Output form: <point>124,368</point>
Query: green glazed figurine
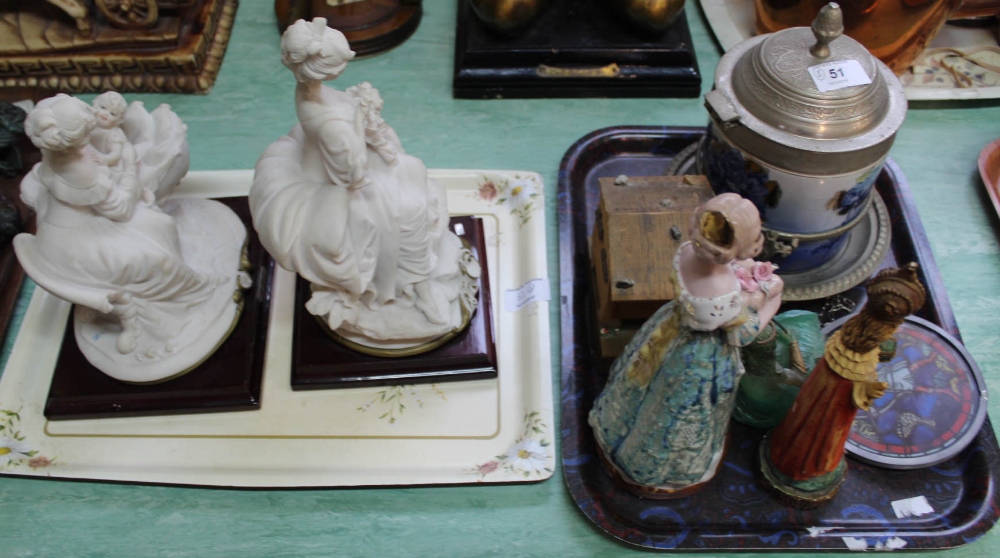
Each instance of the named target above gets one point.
<point>777,363</point>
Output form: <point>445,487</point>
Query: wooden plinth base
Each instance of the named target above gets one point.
<point>11,273</point>
<point>319,362</point>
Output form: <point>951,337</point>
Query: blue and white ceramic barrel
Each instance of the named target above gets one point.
<point>801,124</point>
<point>808,217</point>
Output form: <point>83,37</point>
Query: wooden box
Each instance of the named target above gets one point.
<point>640,223</point>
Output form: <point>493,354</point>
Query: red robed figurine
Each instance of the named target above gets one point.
<point>802,459</point>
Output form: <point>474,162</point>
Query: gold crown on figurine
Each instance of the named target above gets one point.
<point>895,293</point>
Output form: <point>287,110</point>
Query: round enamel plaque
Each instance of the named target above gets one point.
<point>934,405</point>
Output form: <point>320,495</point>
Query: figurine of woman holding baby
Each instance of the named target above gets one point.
<point>153,281</point>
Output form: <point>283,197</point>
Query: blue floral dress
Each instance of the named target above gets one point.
<point>663,416</point>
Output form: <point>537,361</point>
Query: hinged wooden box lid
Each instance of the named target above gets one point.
<point>640,223</point>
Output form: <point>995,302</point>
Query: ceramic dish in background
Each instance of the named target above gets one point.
<point>989,170</point>
<point>732,21</point>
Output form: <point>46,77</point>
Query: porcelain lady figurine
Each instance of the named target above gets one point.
<point>340,203</point>
<point>153,284</point>
<point>802,459</point>
<point>661,421</point>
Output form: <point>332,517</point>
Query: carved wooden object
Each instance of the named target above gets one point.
<point>158,46</point>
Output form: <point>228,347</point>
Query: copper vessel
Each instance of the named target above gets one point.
<point>895,31</point>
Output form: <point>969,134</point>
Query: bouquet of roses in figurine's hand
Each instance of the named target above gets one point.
<point>758,282</point>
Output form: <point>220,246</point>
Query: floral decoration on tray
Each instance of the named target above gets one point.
<point>527,456</point>
<point>395,398</point>
<point>15,451</point>
<point>517,194</point>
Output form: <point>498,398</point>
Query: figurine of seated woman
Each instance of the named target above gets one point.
<point>153,283</point>
<point>340,203</point>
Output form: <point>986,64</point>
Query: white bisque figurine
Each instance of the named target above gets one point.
<point>340,203</point>
<point>156,280</point>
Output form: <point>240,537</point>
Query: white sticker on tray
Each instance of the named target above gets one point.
<point>861,544</point>
<point>536,290</point>
<point>831,76</point>
<point>912,507</point>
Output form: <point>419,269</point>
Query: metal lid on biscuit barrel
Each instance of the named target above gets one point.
<point>803,97</point>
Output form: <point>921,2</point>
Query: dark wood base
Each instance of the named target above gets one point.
<point>229,380</point>
<point>576,48</point>
<point>371,26</point>
<point>319,362</point>
<point>181,53</point>
<point>11,273</point>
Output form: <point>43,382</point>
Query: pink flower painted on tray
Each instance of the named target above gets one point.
<point>488,467</point>
<point>518,193</point>
<point>39,462</point>
<point>488,191</point>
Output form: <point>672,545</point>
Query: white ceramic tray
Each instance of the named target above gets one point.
<point>497,430</point>
<point>732,21</point>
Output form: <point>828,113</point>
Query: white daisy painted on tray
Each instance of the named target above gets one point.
<point>529,456</point>
<point>14,450</point>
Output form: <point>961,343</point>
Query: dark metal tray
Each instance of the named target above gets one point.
<point>732,513</point>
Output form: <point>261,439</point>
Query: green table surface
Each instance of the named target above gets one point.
<point>251,105</point>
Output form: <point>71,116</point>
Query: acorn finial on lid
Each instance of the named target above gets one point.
<point>827,26</point>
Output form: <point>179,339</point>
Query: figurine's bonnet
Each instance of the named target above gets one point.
<point>728,226</point>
